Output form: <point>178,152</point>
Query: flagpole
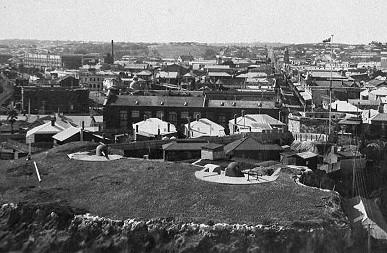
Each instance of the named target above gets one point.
<point>330,90</point>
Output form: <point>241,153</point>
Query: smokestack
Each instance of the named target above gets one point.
<point>169,127</point>
<point>53,121</point>
<point>112,51</point>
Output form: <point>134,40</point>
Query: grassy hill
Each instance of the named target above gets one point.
<point>134,188</point>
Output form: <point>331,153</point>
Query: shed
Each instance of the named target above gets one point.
<point>212,151</point>
<point>178,151</point>
<point>44,132</point>
<point>308,159</point>
<point>250,148</point>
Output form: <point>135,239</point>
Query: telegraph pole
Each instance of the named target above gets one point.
<point>330,90</point>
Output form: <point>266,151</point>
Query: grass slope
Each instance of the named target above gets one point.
<point>130,188</point>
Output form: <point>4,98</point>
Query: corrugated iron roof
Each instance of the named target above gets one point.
<point>183,146</point>
<point>166,101</point>
<point>249,144</point>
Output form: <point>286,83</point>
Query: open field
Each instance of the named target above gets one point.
<point>135,188</point>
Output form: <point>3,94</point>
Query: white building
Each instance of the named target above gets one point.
<point>254,123</point>
<point>153,127</point>
<point>203,127</point>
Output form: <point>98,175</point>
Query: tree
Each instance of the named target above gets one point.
<point>12,117</point>
<point>209,54</point>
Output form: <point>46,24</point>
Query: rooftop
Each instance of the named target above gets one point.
<point>162,101</point>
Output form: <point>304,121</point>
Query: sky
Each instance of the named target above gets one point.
<point>210,21</point>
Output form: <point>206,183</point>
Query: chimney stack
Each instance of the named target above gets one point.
<point>112,51</point>
<point>53,121</point>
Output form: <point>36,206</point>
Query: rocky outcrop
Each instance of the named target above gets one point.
<point>56,227</point>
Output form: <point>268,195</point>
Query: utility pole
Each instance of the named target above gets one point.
<point>330,90</point>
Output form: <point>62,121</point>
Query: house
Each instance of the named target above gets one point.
<point>308,159</point>
<point>182,150</point>
<point>168,77</point>
<point>185,58</point>
<point>255,123</point>
<point>379,125</point>
<point>44,132</point>
<point>345,107</point>
<point>68,81</point>
<point>203,127</point>
<point>345,159</point>
<point>152,128</point>
<point>91,123</point>
<point>72,134</point>
<point>212,151</point>
<point>378,93</point>
<point>249,148</point>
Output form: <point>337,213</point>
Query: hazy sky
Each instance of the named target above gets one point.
<point>295,21</point>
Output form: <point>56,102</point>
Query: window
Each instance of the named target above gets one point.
<point>123,119</point>
<point>184,115</point>
<point>135,114</point>
<point>172,117</point>
<point>160,114</point>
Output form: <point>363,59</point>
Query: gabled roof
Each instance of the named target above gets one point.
<point>218,74</point>
<point>249,144</point>
<point>380,117</point>
<point>164,74</point>
<point>144,73</point>
<point>344,106</point>
<point>67,133</point>
<point>382,91</point>
<point>183,146</point>
<point>257,120</point>
<point>151,127</point>
<point>46,128</point>
<point>212,146</point>
<point>306,155</point>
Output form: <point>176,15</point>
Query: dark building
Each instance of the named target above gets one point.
<point>121,111</point>
<point>68,81</point>
<point>379,125</point>
<point>178,150</point>
<point>249,148</point>
<point>72,61</point>
<point>45,100</point>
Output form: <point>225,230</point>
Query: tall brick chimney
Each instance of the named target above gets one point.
<point>112,51</point>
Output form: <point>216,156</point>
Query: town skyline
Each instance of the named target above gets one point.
<point>351,22</point>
